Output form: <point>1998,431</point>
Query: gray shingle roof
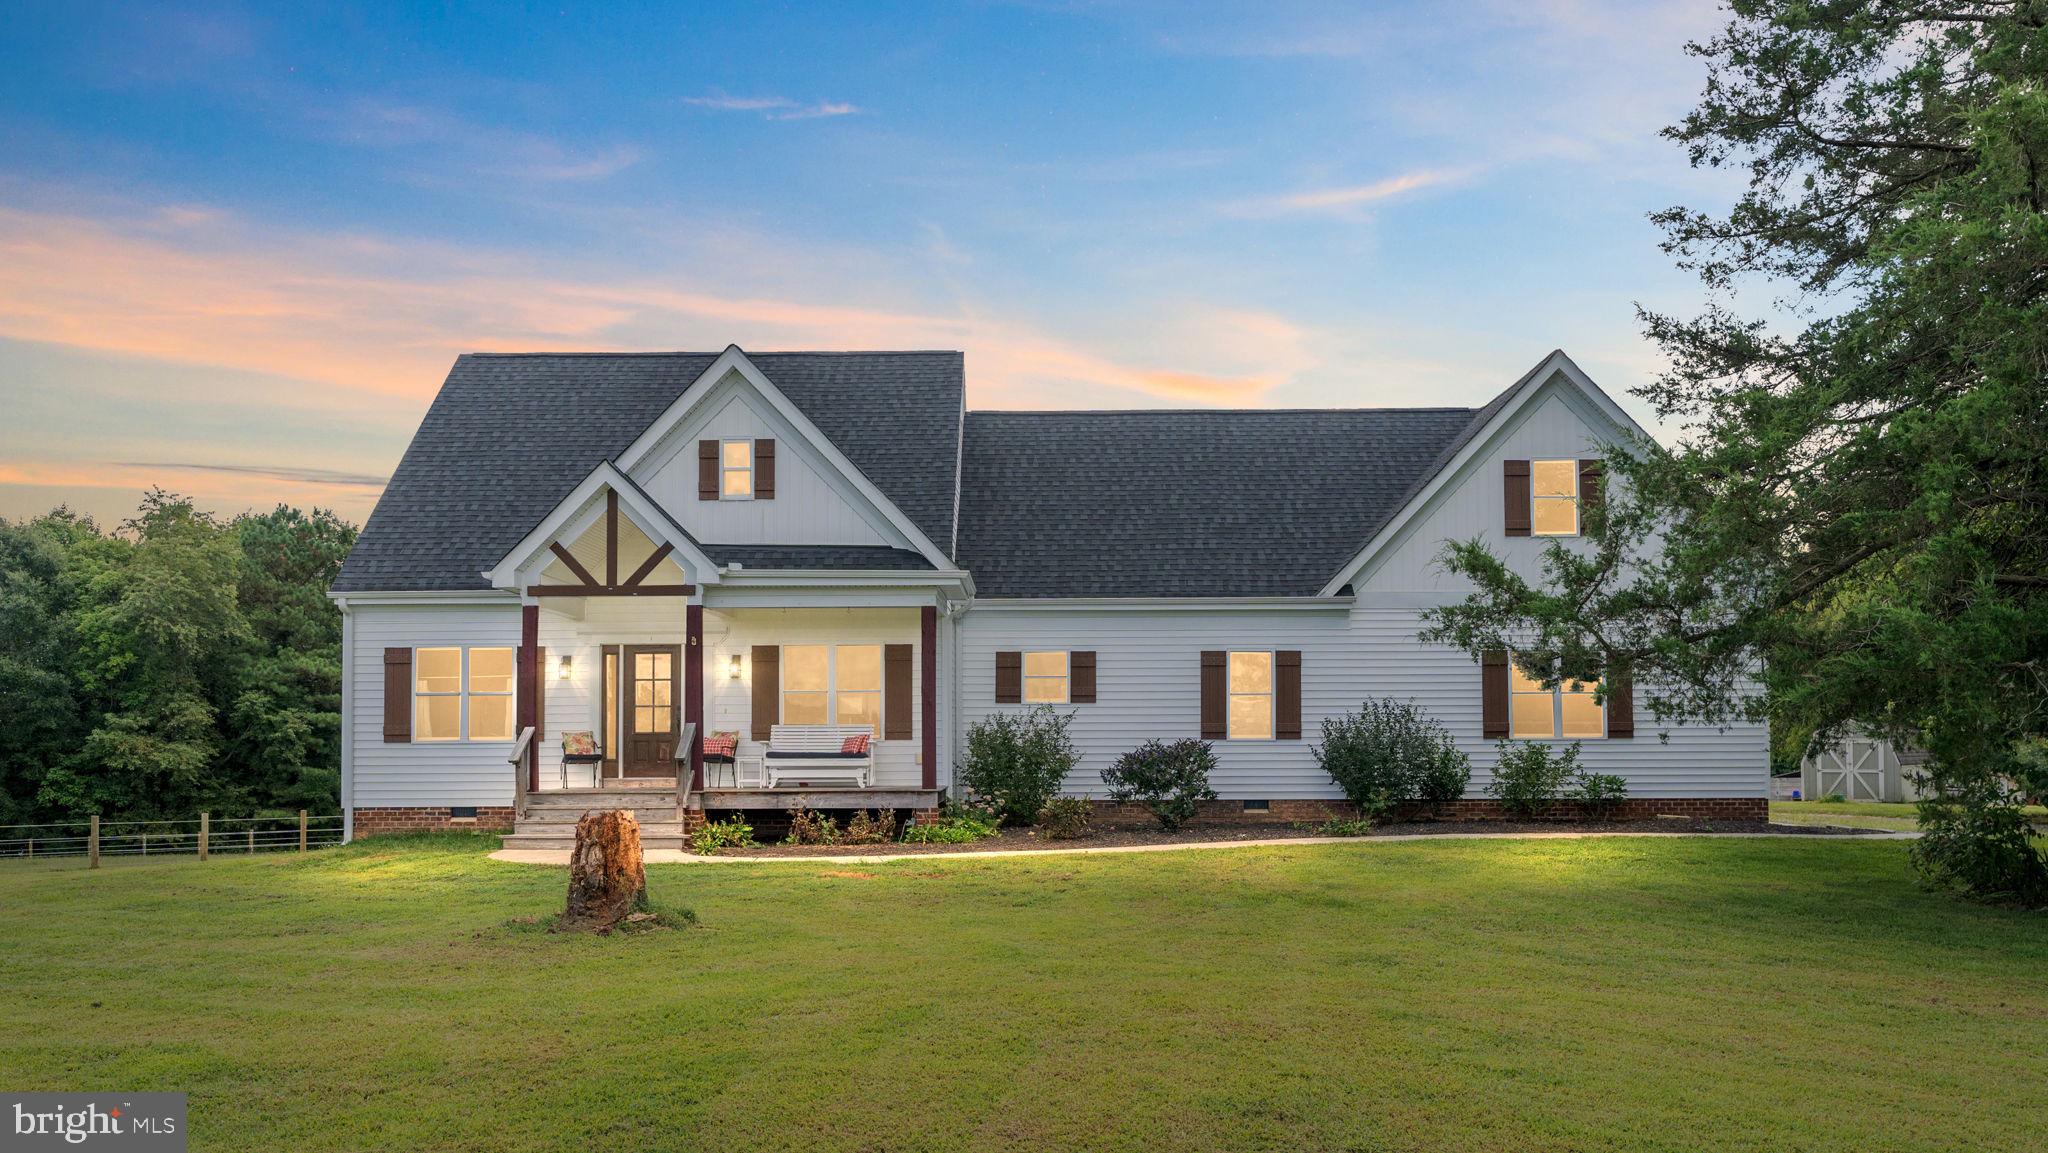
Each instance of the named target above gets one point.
<point>1188,503</point>
<point>510,435</point>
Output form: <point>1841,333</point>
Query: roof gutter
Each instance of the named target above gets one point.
<point>1333,603</point>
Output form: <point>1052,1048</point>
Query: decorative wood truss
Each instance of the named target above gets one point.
<point>611,585</point>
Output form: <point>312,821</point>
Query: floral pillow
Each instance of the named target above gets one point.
<point>579,743</point>
<point>721,744</point>
<point>856,744</point>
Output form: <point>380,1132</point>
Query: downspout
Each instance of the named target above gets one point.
<point>348,720</point>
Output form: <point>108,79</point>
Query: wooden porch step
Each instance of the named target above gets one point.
<point>648,840</point>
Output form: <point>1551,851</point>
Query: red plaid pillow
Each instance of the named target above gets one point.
<point>721,744</point>
<point>858,743</point>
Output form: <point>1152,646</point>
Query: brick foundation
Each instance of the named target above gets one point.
<point>372,822</point>
<point>1470,809</point>
<point>924,817</point>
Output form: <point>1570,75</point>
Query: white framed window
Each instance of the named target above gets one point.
<point>462,694</point>
<point>1251,696</point>
<point>735,470</point>
<point>832,684</point>
<point>1571,710</point>
<point>857,685</point>
<point>1046,678</point>
<point>1554,497</point>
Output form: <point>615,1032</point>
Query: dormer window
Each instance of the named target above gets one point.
<point>736,470</point>
<point>1554,497</point>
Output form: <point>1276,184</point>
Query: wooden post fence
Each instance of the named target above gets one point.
<point>92,842</point>
<point>302,830</point>
<point>205,820</point>
<point>252,838</point>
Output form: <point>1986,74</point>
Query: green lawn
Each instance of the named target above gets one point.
<point>1861,814</point>
<point>1639,993</point>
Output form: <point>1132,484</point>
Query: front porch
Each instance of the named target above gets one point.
<point>667,816</point>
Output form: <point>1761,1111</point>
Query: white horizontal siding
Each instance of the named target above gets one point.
<point>730,703</point>
<point>422,773</point>
<point>1551,427</point>
<point>1148,685</point>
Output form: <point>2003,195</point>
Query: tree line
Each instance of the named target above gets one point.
<point>181,661</point>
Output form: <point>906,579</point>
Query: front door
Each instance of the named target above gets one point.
<point>653,694</point>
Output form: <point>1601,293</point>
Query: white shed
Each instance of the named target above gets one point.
<point>1861,767</point>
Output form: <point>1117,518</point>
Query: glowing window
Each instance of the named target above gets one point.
<point>1570,710</point>
<point>1554,497</point>
<point>1045,678</point>
<point>736,469</point>
<point>1251,696</point>
<point>440,703</point>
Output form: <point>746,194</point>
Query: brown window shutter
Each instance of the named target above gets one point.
<point>1009,678</point>
<point>896,693</point>
<point>1215,701</point>
<point>397,696</point>
<point>1287,695</point>
<point>764,469</point>
<point>1493,695</point>
<point>707,470</point>
<point>1589,484</point>
<point>1621,706</point>
<point>1081,678</point>
<point>767,688</point>
<point>1515,491</point>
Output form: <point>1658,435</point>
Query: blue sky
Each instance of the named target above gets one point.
<point>240,246</point>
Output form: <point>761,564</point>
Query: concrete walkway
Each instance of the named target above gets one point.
<point>679,857</point>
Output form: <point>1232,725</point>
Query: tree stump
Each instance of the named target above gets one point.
<point>607,877</point>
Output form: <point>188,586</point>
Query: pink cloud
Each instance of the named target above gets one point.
<point>385,317</point>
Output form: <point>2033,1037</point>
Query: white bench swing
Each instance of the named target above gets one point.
<point>809,755</point>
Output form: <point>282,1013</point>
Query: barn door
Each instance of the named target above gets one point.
<point>653,694</point>
<point>1854,769</point>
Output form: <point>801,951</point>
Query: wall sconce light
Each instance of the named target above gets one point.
<point>567,666</point>
<point>735,666</point>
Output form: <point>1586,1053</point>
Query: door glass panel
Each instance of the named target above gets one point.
<point>611,705</point>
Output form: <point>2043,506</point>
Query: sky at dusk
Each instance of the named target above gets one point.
<point>241,245</point>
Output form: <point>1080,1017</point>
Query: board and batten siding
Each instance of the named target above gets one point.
<point>422,773</point>
<point>1148,685</point>
<point>807,509</point>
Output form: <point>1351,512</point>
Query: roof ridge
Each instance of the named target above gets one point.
<point>1216,411</point>
<point>594,354</point>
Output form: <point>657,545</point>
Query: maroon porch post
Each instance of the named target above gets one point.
<point>928,692</point>
<point>693,689</point>
<point>529,685</point>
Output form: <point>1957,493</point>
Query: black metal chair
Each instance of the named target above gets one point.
<point>579,747</point>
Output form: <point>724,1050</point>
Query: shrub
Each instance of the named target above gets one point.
<point>811,827</point>
<point>1339,827</point>
<point>1600,793</point>
<point>957,825</point>
<point>1016,761</point>
<point>864,828</point>
<point>1064,819</point>
<point>732,833</point>
<point>1532,775</point>
<point>1978,841</point>
<point>1389,752</point>
<point>1169,778</point>
<point>1834,799</point>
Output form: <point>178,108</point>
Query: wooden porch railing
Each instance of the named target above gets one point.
<point>684,779</point>
<point>522,752</point>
